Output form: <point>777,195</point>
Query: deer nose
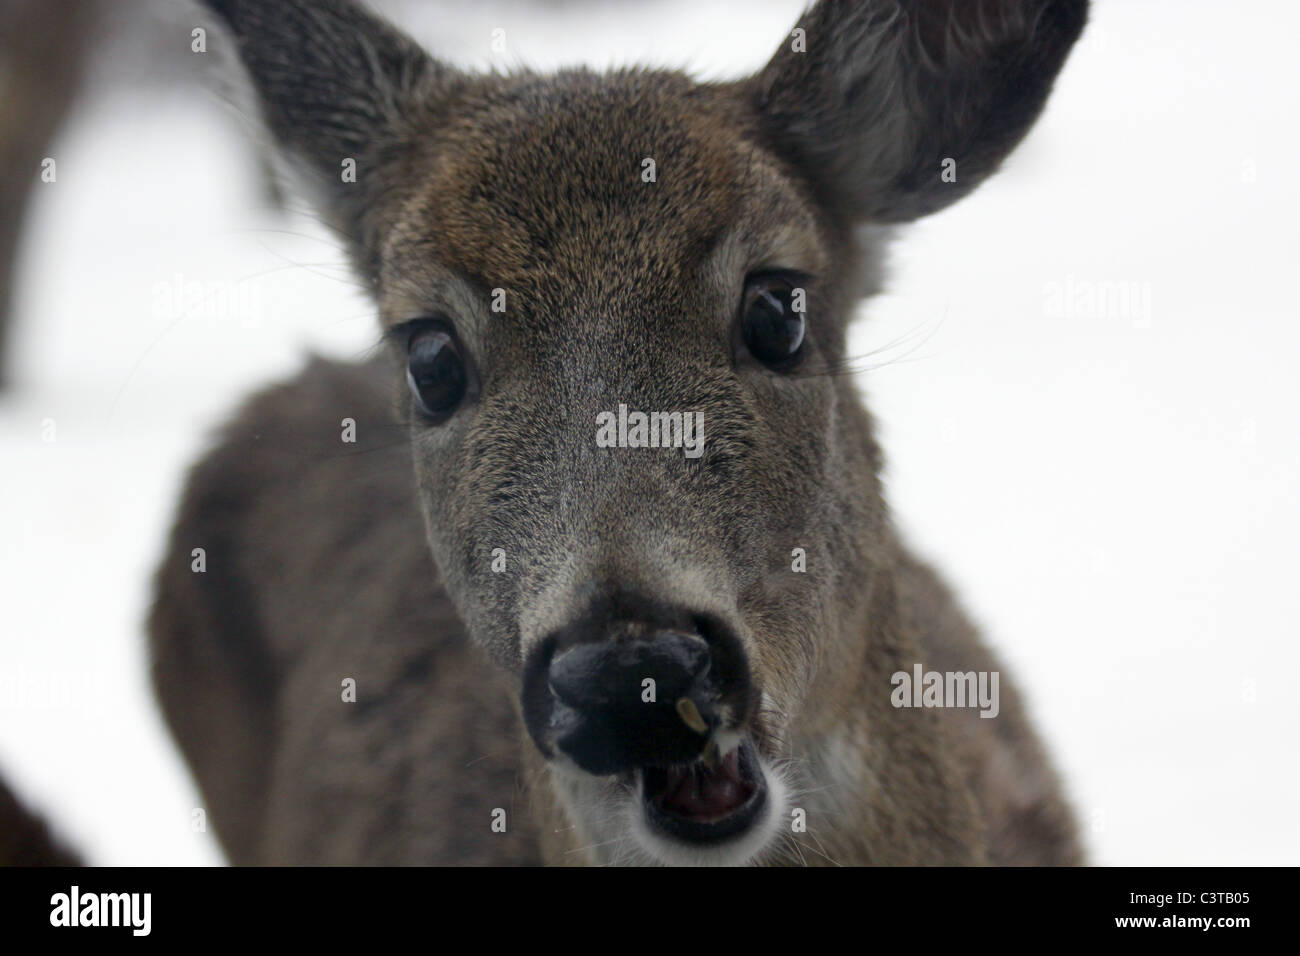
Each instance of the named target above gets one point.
<point>651,697</point>
<point>607,677</point>
<point>619,704</point>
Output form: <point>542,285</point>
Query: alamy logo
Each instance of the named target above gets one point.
<point>102,909</point>
<point>651,430</point>
<point>924,688</point>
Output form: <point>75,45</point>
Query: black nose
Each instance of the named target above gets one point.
<point>613,676</point>
<point>615,695</point>
<point>617,702</point>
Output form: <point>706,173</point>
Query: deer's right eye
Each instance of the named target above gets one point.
<point>436,371</point>
<point>771,319</point>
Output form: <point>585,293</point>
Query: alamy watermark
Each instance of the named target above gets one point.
<point>74,908</point>
<point>626,429</point>
<point>1077,298</point>
<point>214,301</point>
<point>923,688</point>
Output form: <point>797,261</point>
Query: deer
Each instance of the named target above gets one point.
<point>469,633</point>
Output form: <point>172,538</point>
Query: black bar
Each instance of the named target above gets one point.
<point>376,905</point>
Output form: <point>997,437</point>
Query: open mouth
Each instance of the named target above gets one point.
<point>706,801</point>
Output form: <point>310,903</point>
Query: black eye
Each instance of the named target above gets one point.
<point>772,320</point>
<point>436,371</point>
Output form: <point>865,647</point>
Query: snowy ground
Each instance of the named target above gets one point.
<point>1109,480</point>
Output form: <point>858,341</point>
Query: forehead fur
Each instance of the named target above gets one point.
<point>537,185</point>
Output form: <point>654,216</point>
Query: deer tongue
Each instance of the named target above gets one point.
<point>700,793</point>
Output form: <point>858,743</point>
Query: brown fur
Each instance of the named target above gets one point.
<point>328,561</point>
<point>425,798</point>
<point>25,839</point>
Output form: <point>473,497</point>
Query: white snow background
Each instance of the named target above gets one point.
<point>1112,490</point>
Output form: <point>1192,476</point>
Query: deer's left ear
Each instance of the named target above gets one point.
<point>342,93</point>
<point>896,108</point>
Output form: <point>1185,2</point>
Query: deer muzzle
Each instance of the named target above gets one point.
<point>618,695</point>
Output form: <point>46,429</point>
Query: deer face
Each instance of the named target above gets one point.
<point>647,596</point>
<point>615,305</point>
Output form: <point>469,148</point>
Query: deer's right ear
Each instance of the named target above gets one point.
<point>895,108</point>
<point>341,92</point>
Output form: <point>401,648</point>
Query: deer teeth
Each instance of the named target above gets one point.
<point>711,758</point>
<point>690,715</point>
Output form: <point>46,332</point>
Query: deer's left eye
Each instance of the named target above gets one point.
<point>772,319</point>
<point>436,371</point>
